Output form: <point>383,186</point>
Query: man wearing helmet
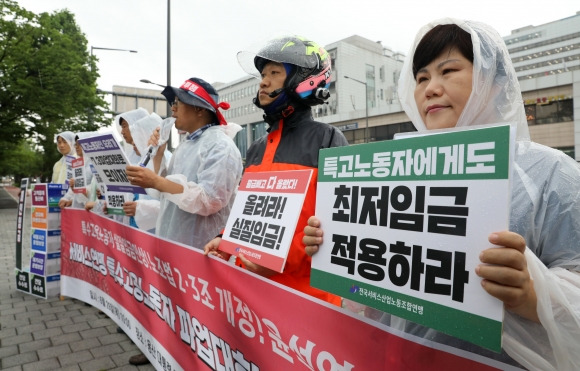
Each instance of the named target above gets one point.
<point>294,75</point>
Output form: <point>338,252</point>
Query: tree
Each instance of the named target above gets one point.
<point>22,161</point>
<point>47,80</point>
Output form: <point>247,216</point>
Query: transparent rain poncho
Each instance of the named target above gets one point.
<point>147,209</point>
<point>209,168</point>
<point>545,210</point>
<point>141,130</point>
<point>141,125</point>
<point>59,168</point>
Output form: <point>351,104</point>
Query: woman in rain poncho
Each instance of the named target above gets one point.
<point>545,206</point>
<point>136,127</point>
<point>452,80</point>
<point>65,145</point>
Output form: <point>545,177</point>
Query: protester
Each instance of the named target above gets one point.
<point>204,172</point>
<point>123,123</point>
<point>72,198</point>
<point>459,73</point>
<point>201,180</point>
<point>136,126</point>
<point>295,75</point>
<point>65,145</point>
<point>142,210</point>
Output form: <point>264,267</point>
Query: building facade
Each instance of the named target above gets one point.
<point>547,62</point>
<point>364,102</point>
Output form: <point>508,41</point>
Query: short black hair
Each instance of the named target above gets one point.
<point>437,40</point>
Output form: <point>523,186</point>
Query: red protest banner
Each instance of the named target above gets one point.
<point>189,311</point>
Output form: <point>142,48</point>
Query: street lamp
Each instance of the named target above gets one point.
<point>168,43</point>
<point>366,105</point>
<point>90,118</point>
<point>151,82</point>
<point>114,49</point>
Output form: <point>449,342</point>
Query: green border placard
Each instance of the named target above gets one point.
<point>458,156</point>
<point>473,328</point>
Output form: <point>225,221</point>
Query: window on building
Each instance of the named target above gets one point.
<point>550,112</point>
<point>387,132</point>
<point>566,110</point>
<point>568,150</point>
<point>241,140</point>
<point>349,135</point>
<point>378,133</point>
<point>370,80</point>
<point>355,136</point>
<point>531,114</point>
<point>259,130</point>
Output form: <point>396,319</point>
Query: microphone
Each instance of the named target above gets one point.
<point>145,159</point>
<point>275,93</point>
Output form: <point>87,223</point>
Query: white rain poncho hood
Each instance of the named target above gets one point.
<point>131,117</point>
<point>69,136</point>
<point>545,210</point>
<point>142,129</point>
<point>495,96</point>
<point>59,170</point>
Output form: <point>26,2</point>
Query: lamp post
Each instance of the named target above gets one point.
<point>168,44</point>
<point>151,82</point>
<point>113,49</point>
<point>366,105</point>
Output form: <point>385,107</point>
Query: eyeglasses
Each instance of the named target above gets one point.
<point>175,102</point>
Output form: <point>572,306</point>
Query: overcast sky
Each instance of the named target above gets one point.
<point>206,35</point>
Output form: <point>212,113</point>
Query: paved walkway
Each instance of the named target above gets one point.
<point>53,334</point>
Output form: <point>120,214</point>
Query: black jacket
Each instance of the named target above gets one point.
<point>302,138</point>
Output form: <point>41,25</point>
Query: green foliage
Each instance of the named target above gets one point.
<point>47,80</point>
<point>22,160</point>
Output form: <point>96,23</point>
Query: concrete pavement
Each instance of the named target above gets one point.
<point>53,334</point>
<point>7,201</point>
